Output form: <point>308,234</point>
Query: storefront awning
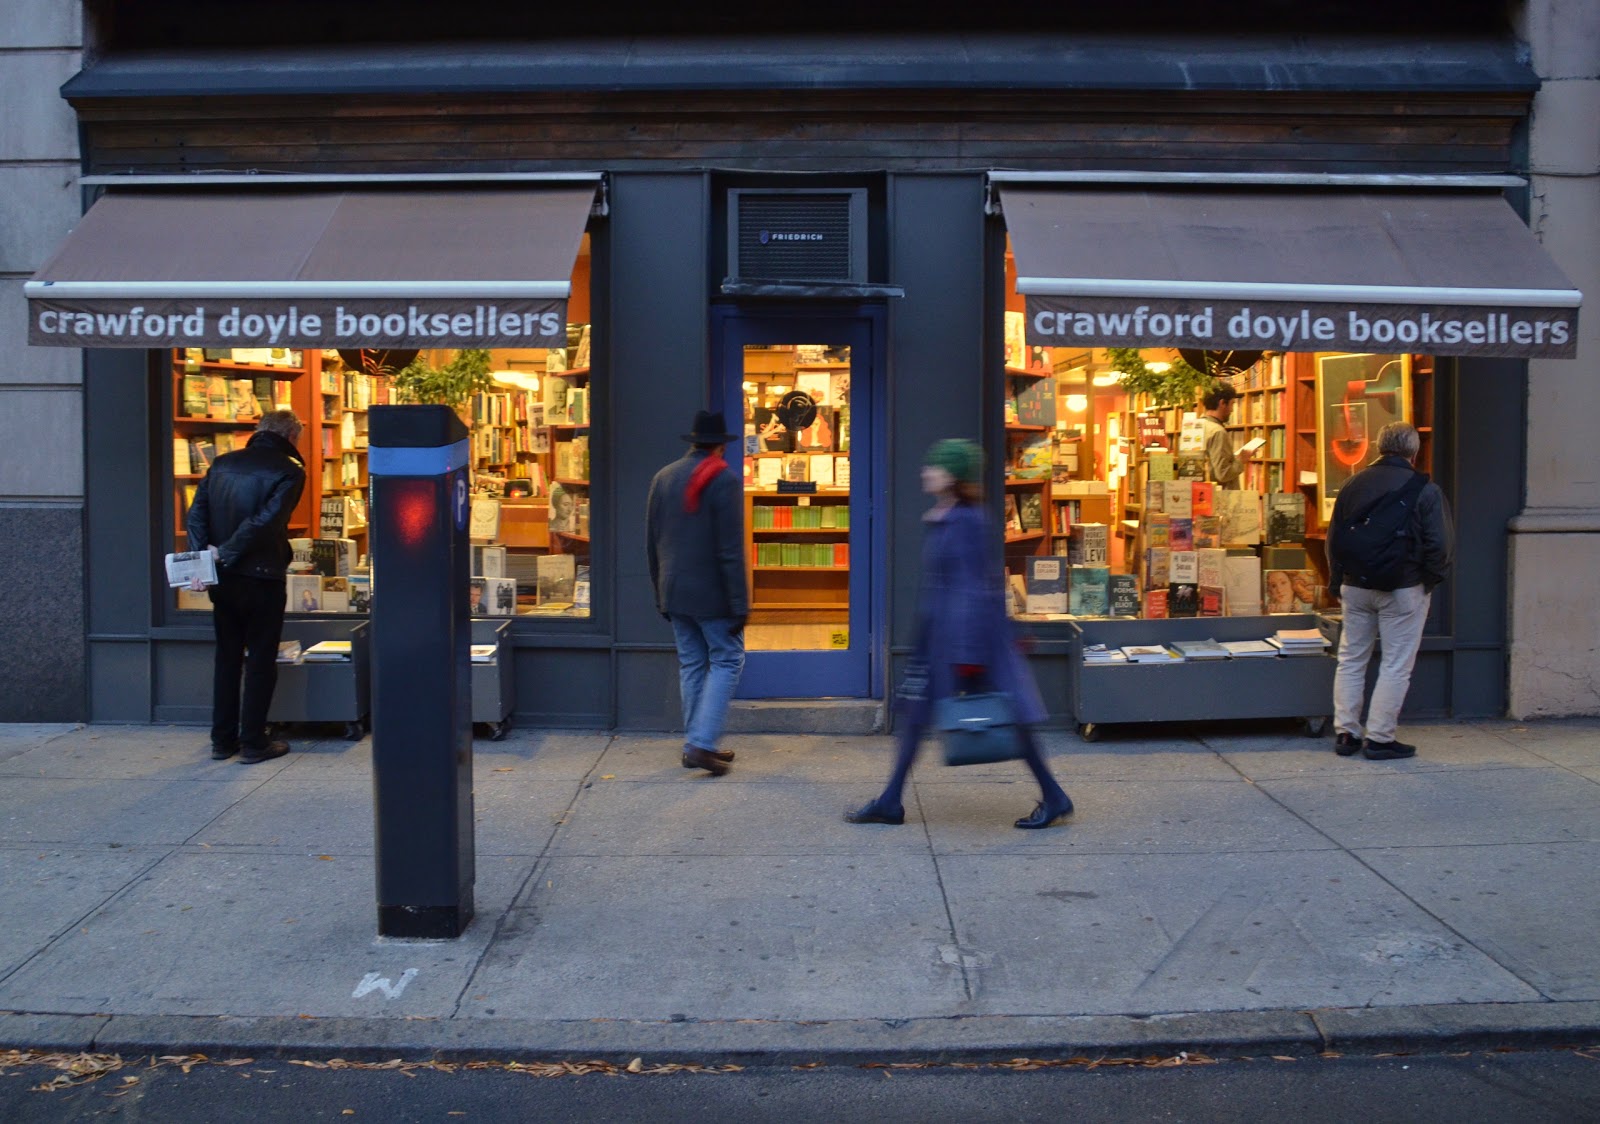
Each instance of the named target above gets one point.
<point>481,267</point>
<point>1444,273</point>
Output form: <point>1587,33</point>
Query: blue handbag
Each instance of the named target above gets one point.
<point>977,729</point>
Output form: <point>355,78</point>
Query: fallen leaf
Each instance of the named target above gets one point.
<point>609,777</point>
<point>328,859</point>
<point>636,1066</point>
<point>505,769</point>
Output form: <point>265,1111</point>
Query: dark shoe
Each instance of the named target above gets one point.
<point>876,813</point>
<point>223,752</point>
<point>697,758</point>
<point>254,755</point>
<point>1346,745</point>
<point>723,755</point>
<point>1043,816</point>
<point>1386,751</point>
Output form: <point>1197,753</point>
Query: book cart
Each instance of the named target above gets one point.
<point>1200,690</point>
<point>494,694</point>
<point>331,691</point>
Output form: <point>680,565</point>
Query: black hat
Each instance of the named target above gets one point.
<point>710,428</point>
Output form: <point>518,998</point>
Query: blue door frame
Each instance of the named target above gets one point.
<point>856,671</point>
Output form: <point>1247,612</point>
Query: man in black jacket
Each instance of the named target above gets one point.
<point>1394,615</point>
<point>694,533</point>
<point>241,514</point>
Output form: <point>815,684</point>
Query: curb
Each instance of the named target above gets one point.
<point>975,1039</point>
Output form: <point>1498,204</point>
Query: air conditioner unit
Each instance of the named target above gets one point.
<point>781,234</point>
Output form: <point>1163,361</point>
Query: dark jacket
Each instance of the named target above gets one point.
<point>961,612</point>
<point>243,504</point>
<point>697,559</point>
<point>1432,531</point>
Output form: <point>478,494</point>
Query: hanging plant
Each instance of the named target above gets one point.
<point>452,385</point>
<point>1178,385</point>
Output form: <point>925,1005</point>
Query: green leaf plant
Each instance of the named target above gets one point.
<point>1178,385</point>
<point>466,374</point>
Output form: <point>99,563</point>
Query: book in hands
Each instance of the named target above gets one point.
<point>1252,445</point>
<point>185,566</point>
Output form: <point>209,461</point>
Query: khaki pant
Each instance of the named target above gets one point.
<point>1395,619</point>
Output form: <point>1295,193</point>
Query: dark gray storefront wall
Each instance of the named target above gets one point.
<point>122,524</point>
<point>660,230</point>
<point>41,642</point>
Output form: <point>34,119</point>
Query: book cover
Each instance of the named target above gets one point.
<point>1190,467</point>
<point>1183,599</point>
<point>1181,533</point>
<point>194,397</point>
<point>333,557</point>
<point>1030,510</point>
<point>1089,591</point>
<point>488,561</point>
<point>1239,516</point>
<point>217,398</point>
<point>1157,567</point>
<point>1155,604</point>
<point>1046,584</point>
<point>360,593</point>
<point>1211,600</point>
<point>1185,567</point>
<point>1201,497</point>
<point>242,405</point>
<point>180,457</point>
<point>485,519</point>
<point>1286,517</point>
<point>556,575</point>
<point>1155,497</point>
<point>1124,595</point>
<point>304,593</point>
<point>1209,563</point>
<point>1033,459</point>
<point>1241,584</point>
<point>1180,501</point>
<point>477,590</point>
<point>1036,402</point>
<point>1163,466</point>
<point>335,595</point>
<point>1158,529</point>
<point>1012,514</point>
<point>500,597</point>
<point>1289,591</point>
<point>1089,544</point>
<point>1207,532</point>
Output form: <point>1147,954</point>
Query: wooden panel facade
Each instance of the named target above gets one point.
<point>808,131</point>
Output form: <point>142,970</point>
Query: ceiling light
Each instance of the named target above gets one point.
<point>1159,367</point>
<point>1108,378</point>
<point>1077,403</point>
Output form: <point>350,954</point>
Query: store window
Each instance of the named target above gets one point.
<point>1113,507</point>
<point>530,416</point>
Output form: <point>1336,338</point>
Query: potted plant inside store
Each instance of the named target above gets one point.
<point>453,385</point>
<point>1175,384</point>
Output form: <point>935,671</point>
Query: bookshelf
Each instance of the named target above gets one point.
<point>798,561</point>
<point>1265,409</point>
<point>567,404</point>
<point>1030,455</point>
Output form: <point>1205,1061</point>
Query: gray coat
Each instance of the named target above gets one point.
<point>697,559</point>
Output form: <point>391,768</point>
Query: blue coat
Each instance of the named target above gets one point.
<point>961,613</point>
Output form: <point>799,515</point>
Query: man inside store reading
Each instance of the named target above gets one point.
<point>1223,464</point>
<point>241,514</point>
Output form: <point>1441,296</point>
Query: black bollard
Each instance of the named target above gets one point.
<point>421,670</point>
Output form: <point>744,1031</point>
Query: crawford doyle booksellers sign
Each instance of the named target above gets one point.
<point>1505,330</point>
<point>455,322</point>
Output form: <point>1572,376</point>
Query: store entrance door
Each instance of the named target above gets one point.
<point>806,386</point>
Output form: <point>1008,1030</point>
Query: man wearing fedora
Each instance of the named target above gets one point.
<point>694,532</point>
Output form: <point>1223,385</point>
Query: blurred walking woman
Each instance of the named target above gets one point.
<point>964,638</point>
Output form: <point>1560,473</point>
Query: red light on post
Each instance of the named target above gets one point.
<point>415,506</point>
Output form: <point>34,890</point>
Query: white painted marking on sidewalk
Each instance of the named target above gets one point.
<point>374,982</point>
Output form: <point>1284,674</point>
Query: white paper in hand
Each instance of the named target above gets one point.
<point>187,565</point>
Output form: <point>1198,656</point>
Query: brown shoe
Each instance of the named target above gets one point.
<point>696,758</point>
<point>254,755</point>
<point>723,755</point>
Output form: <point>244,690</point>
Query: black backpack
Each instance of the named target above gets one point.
<point>1373,546</point>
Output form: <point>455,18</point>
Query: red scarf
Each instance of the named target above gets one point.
<point>702,476</point>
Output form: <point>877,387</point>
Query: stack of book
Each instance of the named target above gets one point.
<point>1150,653</point>
<point>484,653</point>
<point>289,652</point>
<point>1201,649</point>
<point>1298,641</point>
<point>328,651</point>
<point>1097,654</point>
<point>1249,649</point>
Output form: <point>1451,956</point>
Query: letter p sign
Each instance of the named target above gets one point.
<point>459,503</point>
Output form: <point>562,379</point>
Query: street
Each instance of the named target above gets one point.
<point>1554,1085</point>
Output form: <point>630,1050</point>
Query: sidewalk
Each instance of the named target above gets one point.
<point>1237,888</point>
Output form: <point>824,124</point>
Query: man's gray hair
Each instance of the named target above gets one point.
<point>1399,439</point>
<point>282,422</point>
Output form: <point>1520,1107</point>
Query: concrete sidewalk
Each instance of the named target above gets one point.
<point>1237,888</point>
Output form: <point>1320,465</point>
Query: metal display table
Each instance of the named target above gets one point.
<point>494,694</point>
<point>1200,690</point>
<point>332,691</point>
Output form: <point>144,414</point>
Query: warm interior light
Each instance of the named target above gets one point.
<point>1108,378</point>
<point>520,379</point>
<point>1159,367</point>
<point>748,386</point>
<point>1077,403</point>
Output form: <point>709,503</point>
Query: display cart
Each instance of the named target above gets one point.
<point>332,691</point>
<point>493,688</point>
<point>1200,690</point>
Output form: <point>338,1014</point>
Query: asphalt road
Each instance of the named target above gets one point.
<point>1556,1085</point>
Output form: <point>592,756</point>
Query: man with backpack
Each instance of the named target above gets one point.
<point>1389,544</point>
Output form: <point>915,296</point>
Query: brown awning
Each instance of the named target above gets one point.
<point>1445,273</point>
<point>315,268</point>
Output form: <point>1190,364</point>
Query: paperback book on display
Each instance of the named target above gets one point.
<point>1046,584</point>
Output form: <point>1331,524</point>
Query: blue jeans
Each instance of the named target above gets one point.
<point>710,658</point>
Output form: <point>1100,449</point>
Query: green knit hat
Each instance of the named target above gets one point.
<point>959,457</point>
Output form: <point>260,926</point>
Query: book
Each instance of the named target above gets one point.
<point>1184,567</point>
<point>1124,595</point>
<point>556,575</point>
<point>1202,496</point>
<point>1190,467</point>
<point>360,593</point>
<point>335,595</point>
<point>500,596</point>
<point>1208,567</point>
<point>1036,402</point>
<point>333,557</point>
<point>484,523</point>
<point>1163,466</point>
<point>303,593</point>
<point>1200,649</point>
<point>1207,532</point>
<point>242,404</point>
<point>1155,604</point>
<point>328,651</point>
<point>1239,516</point>
<point>1211,600</point>
<point>1286,518</point>
<point>1089,544</point>
<point>1180,502</point>
<point>1252,445</point>
<point>194,397</point>
<point>1180,534</point>
<point>1089,591</point>
<point>1250,649</point>
<point>1155,497</point>
<point>1241,584</point>
<point>484,653</point>
<point>1292,649</point>
<point>184,566</point>
<point>217,398</point>
<point>1030,510</point>
<point>1157,567</point>
<point>180,457</point>
<point>1045,584</point>
<point>1158,529</point>
<point>1183,599</point>
<point>1150,653</point>
<point>289,651</point>
<point>488,561</point>
<point>1288,591</point>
